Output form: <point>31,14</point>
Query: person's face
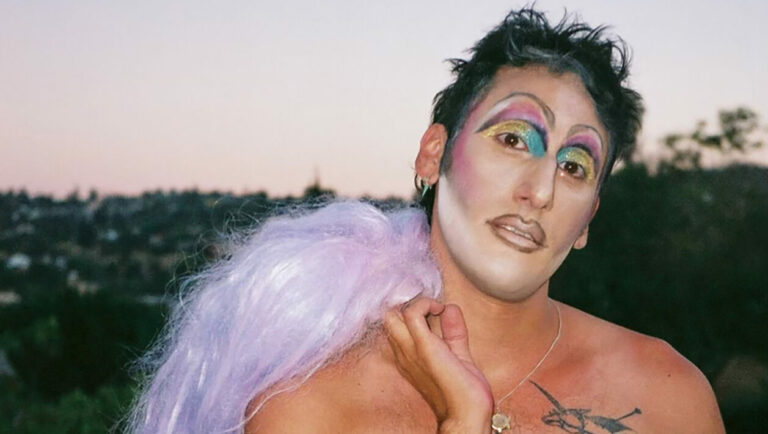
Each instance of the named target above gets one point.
<point>522,185</point>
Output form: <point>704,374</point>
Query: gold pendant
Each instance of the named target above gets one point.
<point>499,422</point>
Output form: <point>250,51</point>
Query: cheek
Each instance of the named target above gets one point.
<point>482,179</point>
<point>464,174</point>
<point>577,221</point>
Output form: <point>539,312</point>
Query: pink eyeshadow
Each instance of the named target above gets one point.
<point>519,110</point>
<point>459,161</point>
<point>459,165</point>
<point>590,142</point>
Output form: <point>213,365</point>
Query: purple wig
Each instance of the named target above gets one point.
<point>292,297</point>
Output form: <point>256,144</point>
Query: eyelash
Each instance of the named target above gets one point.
<point>501,138</point>
<point>581,171</point>
<point>572,162</point>
<point>516,135</point>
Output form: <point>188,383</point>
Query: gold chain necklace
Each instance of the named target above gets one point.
<point>499,420</point>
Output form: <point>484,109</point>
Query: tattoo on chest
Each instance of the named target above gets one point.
<point>579,420</point>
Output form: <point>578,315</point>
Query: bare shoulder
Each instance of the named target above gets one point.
<point>360,393</point>
<point>317,405</point>
<point>682,396</point>
<point>308,407</point>
<point>650,372</point>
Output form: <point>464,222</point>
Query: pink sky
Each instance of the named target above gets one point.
<point>130,96</point>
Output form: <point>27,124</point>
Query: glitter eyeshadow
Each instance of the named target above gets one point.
<point>579,156</point>
<point>522,129</point>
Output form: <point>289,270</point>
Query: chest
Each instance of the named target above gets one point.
<point>535,408</point>
<point>556,411</point>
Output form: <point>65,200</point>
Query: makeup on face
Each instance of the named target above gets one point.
<point>523,116</point>
<point>508,214</point>
<point>520,114</point>
<point>584,148</point>
<point>523,131</point>
<point>577,155</point>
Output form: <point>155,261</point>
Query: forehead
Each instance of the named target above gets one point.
<point>564,94</point>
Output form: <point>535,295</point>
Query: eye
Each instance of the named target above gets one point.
<point>518,135</point>
<point>576,163</point>
<point>512,140</point>
<point>573,169</point>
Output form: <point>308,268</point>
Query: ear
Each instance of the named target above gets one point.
<point>581,242</point>
<point>431,152</point>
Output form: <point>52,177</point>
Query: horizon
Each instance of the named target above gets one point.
<point>83,195</point>
<point>128,98</point>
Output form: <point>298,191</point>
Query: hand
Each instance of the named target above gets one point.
<point>440,367</point>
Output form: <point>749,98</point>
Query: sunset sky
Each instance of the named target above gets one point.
<point>255,95</point>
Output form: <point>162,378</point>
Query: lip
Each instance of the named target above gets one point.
<point>515,231</point>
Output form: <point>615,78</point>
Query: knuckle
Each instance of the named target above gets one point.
<point>391,320</point>
<point>412,303</point>
<point>388,319</point>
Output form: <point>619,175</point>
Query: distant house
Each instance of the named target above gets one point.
<point>18,261</point>
<point>60,262</point>
<point>81,286</point>
<point>153,300</point>
<point>9,297</point>
<point>25,229</point>
<point>6,370</point>
<point>110,235</point>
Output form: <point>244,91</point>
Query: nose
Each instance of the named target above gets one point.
<point>537,184</point>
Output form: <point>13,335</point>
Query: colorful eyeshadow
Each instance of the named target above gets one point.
<point>577,155</point>
<point>589,143</point>
<point>525,131</point>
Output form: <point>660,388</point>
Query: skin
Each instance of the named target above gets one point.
<point>439,366</point>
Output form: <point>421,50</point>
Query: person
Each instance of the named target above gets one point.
<point>383,324</point>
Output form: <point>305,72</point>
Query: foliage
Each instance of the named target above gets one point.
<point>738,132</point>
<point>68,341</point>
<point>74,412</point>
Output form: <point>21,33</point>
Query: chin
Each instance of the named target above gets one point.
<point>505,286</point>
<point>514,296</point>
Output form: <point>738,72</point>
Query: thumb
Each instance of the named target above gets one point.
<point>455,332</point>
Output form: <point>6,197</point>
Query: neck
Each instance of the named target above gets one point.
<point>506,338</point>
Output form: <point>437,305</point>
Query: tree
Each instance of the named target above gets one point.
<point>738,132</point>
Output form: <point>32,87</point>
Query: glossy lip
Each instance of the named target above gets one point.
<point>515,231</point>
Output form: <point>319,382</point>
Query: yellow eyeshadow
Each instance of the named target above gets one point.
<point>506,127</point>
<point>524,130</point>
<point>580,157</point>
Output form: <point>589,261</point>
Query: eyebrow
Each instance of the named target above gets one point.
<point>535,123</point>
<point>550,117</point>
<point>594,153</point>
<point>581,127</point>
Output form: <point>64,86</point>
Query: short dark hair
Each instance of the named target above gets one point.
<point>525,37</point>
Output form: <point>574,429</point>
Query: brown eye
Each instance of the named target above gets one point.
<point>511,140</point>
<point>572,168</point>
